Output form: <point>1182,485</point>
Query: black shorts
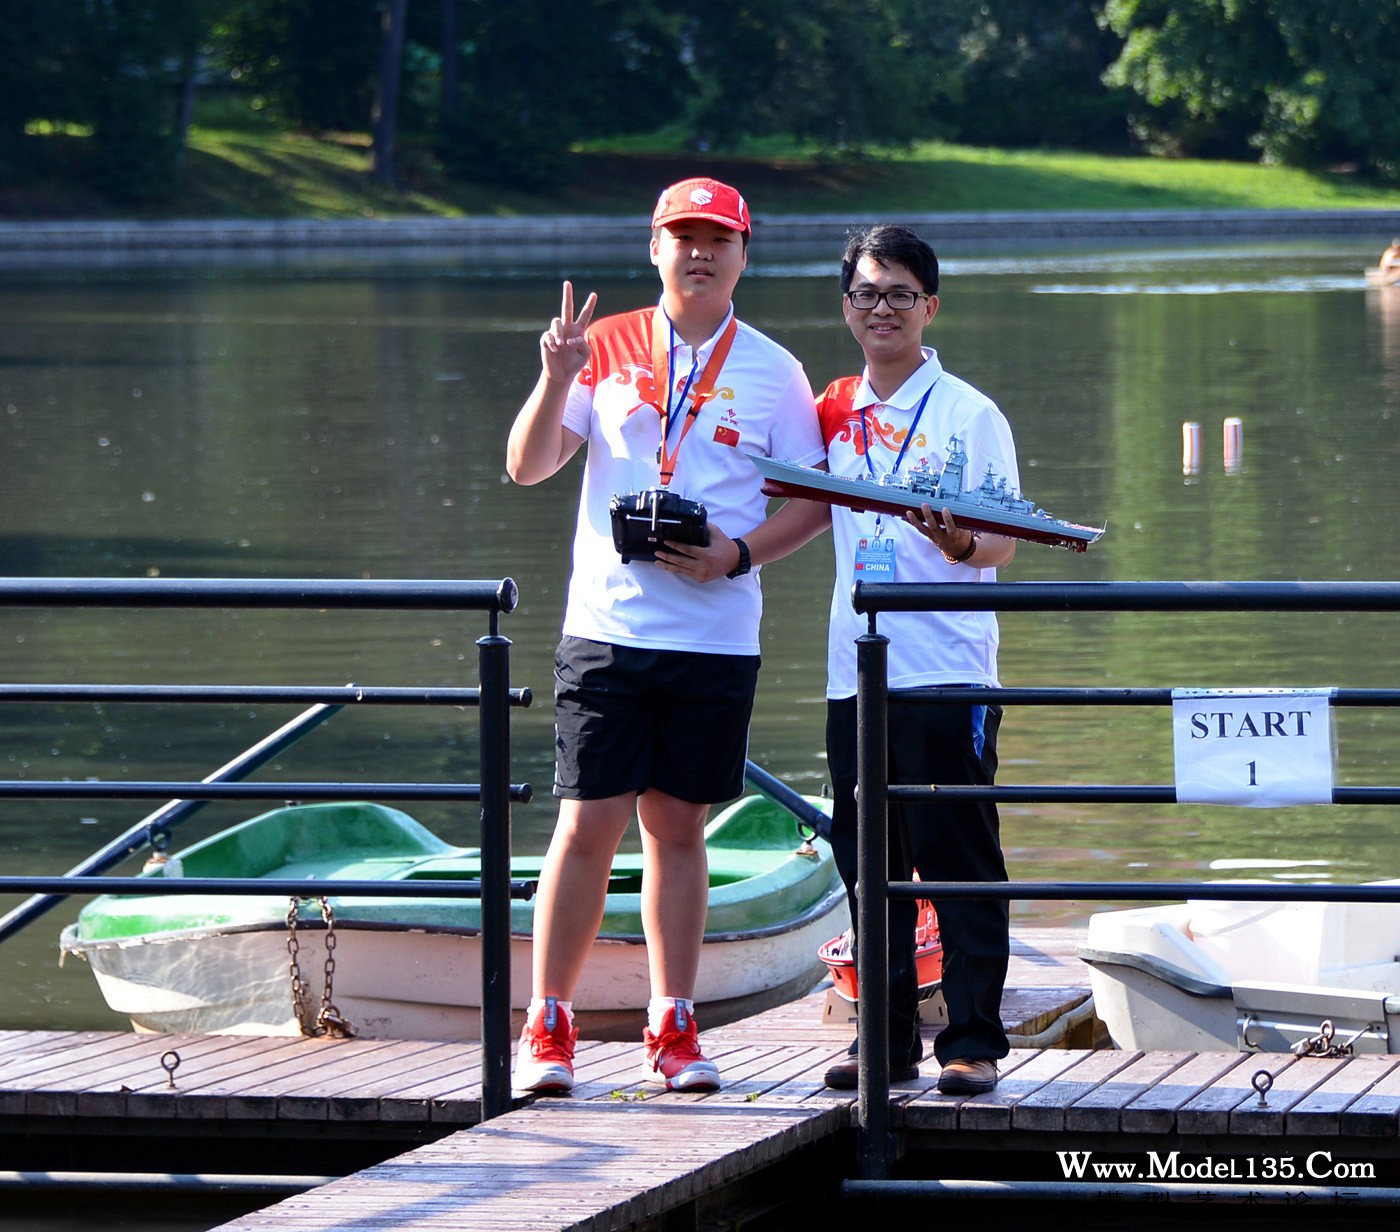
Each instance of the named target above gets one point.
<point>627,719</point>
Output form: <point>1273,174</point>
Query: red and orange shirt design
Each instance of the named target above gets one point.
<point>841,422</point>
<point>618,342</point>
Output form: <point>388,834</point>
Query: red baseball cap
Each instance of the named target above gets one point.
<point>703,198</point>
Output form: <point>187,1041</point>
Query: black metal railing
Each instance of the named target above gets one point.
<point>877,1147</point>
<point>493,698</point>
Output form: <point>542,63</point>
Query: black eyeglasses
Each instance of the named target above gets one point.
<point>900,301</point>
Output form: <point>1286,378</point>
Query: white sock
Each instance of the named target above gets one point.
<point>657,1007</point>
<point>537,1005</point>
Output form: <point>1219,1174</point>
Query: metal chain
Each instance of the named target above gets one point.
<point>294,968</point>
<point>1324,1044</point>
<point>329,1021</point>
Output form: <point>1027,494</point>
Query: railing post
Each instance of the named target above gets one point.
<point>874,1142</point>
<point>494,655</point>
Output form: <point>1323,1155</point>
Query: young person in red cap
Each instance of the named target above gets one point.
<point>655,675</point>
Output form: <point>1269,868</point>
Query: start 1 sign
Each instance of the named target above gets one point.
<point>1263,747</point>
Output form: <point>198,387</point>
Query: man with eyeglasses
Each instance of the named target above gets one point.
<point>901,413</point>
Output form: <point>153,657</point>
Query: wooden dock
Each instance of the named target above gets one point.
<point>620,1154</point>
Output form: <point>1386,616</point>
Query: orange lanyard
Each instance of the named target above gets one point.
<point>699,393</point>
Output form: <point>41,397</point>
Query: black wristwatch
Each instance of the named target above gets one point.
<point>745,564</point>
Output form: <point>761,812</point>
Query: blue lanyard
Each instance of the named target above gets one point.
<point>899,461</point>
<point>689,381</point>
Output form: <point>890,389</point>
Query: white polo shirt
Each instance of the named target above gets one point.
<point>925,647</point>
<point>762,404</point>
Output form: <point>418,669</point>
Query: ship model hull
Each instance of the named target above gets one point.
<point>987,508</point>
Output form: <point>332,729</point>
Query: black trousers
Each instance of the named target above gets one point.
<point>944,842</point>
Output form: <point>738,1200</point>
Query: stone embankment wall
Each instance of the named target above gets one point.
<point>543,239</point>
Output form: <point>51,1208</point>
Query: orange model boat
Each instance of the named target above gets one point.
<point>840,959</point>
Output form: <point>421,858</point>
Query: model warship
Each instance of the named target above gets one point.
<point>992,506</point>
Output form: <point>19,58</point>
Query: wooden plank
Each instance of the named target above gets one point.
<point>803,1081</point>
<point>97,1078</point>
<point>82,1051</point>
<point>305,1093</point>
<point>316,1065</point>
<point>555,1165</point>
<point>109,1092</point>
<point>442,1064</point>
<point>623,1151</point>
<point>1154,1111</point>
<point>53,1089</point>
<point>797,1022</point>
<point>1320,1111</point>
<point>992,1111</point>
<point>930,1110</point>
<point>17,1043</point>
<point>1374,1114</point>
<point>798,1077</point>
<point>1026,1012</point>
<point>252,1093</point>
<point>1208,1111</point>
<point>33,1050</point>
<point>1101,1110</point>
<point>612,1071</point>
<point>604,1071</point>
<point>461,1074</point>
<point>753,1073</point>
<point>204,1095</point>
<point>1045,1109</point>
<point>1265,1117</point>
<point>374,1087</point>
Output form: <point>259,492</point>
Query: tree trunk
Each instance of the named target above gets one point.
<point>385,118</point>
<point>189,76</point>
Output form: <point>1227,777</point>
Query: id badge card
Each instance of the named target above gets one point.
<point>875,559</point>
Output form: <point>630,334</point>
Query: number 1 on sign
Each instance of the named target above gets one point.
<point>1252,781</point>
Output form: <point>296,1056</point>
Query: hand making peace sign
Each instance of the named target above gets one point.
<point>563,348</point>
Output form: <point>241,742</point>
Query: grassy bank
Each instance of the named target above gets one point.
<point>264,173</point>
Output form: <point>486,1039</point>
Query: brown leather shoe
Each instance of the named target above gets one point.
<point>968,1076</point>
<point>845,1074</point>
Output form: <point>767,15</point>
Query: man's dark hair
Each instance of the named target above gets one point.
<point>891,244</point>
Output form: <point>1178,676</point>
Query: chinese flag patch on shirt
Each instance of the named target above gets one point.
<point>726,435</point>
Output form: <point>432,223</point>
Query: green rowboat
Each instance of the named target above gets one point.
<point>410,968</point>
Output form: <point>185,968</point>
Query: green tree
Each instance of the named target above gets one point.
<point>310,63</point>
<point>1306,82</point>
<point>537,75</point>
<point>35,87</point>
<point>846,74</point>
<point>1033,76</point>
<point>121,71</point>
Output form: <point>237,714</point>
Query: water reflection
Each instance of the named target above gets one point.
<point>350,423</point>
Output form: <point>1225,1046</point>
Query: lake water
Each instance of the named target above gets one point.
<point>346,422</point>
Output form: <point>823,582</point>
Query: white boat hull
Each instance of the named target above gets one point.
<point>1247,976</point>
<point>402,983</point>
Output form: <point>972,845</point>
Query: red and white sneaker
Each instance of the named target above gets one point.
<point>544,1062</point>
<point>673,1056</point>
